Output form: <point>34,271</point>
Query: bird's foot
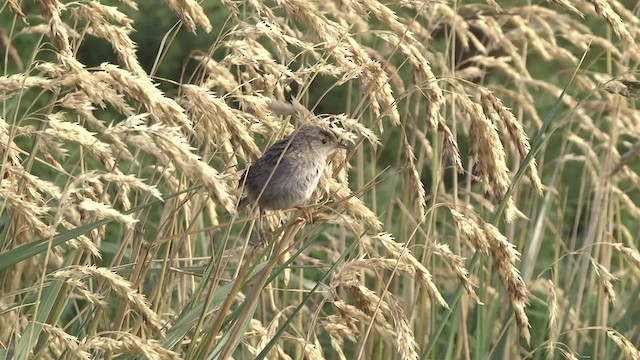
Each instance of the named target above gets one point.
<point>307,215</point>
<point>264,237</point>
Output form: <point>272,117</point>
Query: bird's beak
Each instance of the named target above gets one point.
<point>342,146</point>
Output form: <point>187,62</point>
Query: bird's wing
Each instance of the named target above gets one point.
<point>260,166</point>
<point>241,182</point>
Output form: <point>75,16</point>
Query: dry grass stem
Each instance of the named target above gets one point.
<point>125,126</point>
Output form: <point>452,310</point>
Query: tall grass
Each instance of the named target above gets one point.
<point>487,209</point>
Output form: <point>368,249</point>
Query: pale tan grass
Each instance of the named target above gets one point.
<point>456,263</point>
<point>46,29</point>
<point>338,329</point>
<point>624,198</point>
<point>29,214</point>
<point>141,89</point>
<point>40,191</point>
<point>191,13</point>
<point>471,231</point>
<point>264,115</point>
<point>568,354</point>
<point>542,35</point>
<point>412,49</point>
<point>405,340</point>
<point>119,285</point>
<point>554,329</point>
<point>10,50</point>
<point>218,76</point>
<point>312,351</point>
<point>131,181</point>
<point>51,11</point>
<point>86,294</point>
<point>134,131</point>
<point>85,243</point>
<point>72,132</point>
<point>605,278</point>
<point>354,207</point>
<point>493,105</point>
<point>97,85</point>
<point>130,3</point>
<point>502,63</point>
<point>98,17</point>
<point>70,342</point>
<point>350,56</point>
<point>11,320</point>
<point>632,255</point>
<point>125,343</point>
<point>324,41</point>
<point>492,29</point>
<point>569,6</point>
<point>624,344</point>
<point>102,211</point>
<point>404,257</point>
<point>414,182</point>
<point>80,104</point>
<point>470,73</point>
<point>459,25</point>
<point>587,83</point>
<point>540,45</point>
<point>504,256</point>
<point>392,71</point>
<point>583,39</point>
<point>450,145</point>
<point>354,314</point>
<point>425,148</point>
<point>10,151</point>
<point>219,122</point>
<point>263,74</point>
<point>169,143</point>
<point>525,101</point>
<point>280,34</point>
<point>603,8</point>
<point>264,335</point>
<point>15,7</point>
<point>11,83</point>
<point>488,156</point>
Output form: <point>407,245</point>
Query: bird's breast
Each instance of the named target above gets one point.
<point>308,177</point>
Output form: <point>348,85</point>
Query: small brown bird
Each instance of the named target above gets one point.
<point>286,175</point>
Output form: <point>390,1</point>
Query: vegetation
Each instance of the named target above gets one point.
<point>487,208</point>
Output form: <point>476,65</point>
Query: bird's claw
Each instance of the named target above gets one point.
<point>263,238</point>
<point>307,215</point>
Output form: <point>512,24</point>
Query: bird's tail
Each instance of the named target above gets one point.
<point>243,202</point>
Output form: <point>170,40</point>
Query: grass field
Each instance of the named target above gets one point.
<point>487,209</point>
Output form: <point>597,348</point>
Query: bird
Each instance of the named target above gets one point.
<point>288,172</point>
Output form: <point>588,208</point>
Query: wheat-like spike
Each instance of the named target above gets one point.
<point>70,342</point>
<point>119,285</point>
<point>493,105</point>
<point>405,340</point>
<point>504,256</point>
<point>606,278</point>
<point>191,12</point>
<point>125,343</point>
<point>624,344</point>
<point>51,11</point>
<point>488,156</point>
<point>603,8</point>
<point>554,329</point>
<point>98,16</point>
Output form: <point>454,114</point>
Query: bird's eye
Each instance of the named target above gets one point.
<point>324,141</point>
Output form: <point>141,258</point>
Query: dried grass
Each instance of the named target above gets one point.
<point>410,84</point>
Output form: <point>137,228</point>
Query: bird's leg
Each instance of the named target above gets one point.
<point>307,214</point>
<point>263,235</point>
